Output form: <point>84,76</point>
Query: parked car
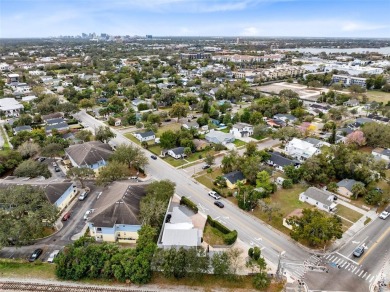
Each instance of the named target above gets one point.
<point>54,163</point>
<point>90,211</point>
<point>219,204</point>
<point>384,215</point>
<point>35,255</point>
<point>66,216</point>
<point>214,195</point>
<point>154,157</point>
<point>53,255</point>
<point>206,166</point>
<point>57,169</point>
<point>41,159</point>
<point>358,251</point>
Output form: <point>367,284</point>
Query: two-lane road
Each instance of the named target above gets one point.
<point>250,230</point>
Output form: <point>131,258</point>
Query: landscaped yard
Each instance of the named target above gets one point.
<point>132,138</point>
<point>239,143</point>
<point>212,235</point>
<point>208,178</point>
<point>20,268</point>
<point>348,213</point>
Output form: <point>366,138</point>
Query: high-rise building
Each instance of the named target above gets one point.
<point>149,36</point>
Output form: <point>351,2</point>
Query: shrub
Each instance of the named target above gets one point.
<point>229,237</point>
<point>189,204</point>
<point>250,252</point>
<point>287,184</point>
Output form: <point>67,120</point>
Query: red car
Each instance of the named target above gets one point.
<point>66,216</point>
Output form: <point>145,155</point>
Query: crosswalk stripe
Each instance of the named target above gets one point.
<point>331,259</point>
<point>354,269</point>
<point>338,261</point>
<point>344,264</point>
<point>361,272</point>
<point>327,256</point>
<point>358,270</point>
<point>372,278</point>
<point>365,273</point>
<point>368,276</point>
<point>347,265</point>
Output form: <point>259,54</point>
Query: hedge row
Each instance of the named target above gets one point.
<point>189,204</point>
<point>229,237</point>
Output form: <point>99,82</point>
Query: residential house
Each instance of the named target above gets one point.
<point>200,144</point>
<point>286,118</point>
<point>179,230</point>
<point>383,154</point>
<point>322,199</point>
<point>176,153</point>
<point>316,142</point>
<point>116,213</point>
<point>60,194</point>
<point>351,102</point>
<point>279,162</point>
<point>296,213</point>
<point>190,125</point>
<point>240,130</point>
<point>61,127</point>
<point>22,128</point>
<point>345,187</point>
<point>232,178</point>
<point>93,154</point>
<point>145,136</point>
<point>301,150</point>
<point>10,107</point>
<point>52,116</point>
<point>218,137</point>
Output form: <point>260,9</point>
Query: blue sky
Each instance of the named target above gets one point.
<point>310,18</point>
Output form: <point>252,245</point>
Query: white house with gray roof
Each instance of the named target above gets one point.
<point>345,186</point>
<point>322,199</point>
<point>240,130</point>
<point>218,137</point>
<point>300,149</point>
<point>145,136</point>
<point>10,107</point>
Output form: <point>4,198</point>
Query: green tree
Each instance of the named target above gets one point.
<point>358,190</point>
<point>131,155</point>
<point>113,171</point>
<point>52,150</point>
<point>179,110</point>
<point>263,181</point>
<point>220,264</point>
<point>84,135</point>
<point>209,159</point>
<point>24,215</point>
<point>104,134</point>
<point>168,139</point>
<point>31,168</point>
<point>315,227</point>
<point>29,149</point>
<point>80,174</point>
<point>251,148</point>
<point>295,174</point>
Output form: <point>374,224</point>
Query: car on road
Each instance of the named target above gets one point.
<point>90,211</point>
<point>154,157</point>
<point>358,251</point>
<point>66,216</point>
<point>384,215</point>
<point>219,204</point>
<point>35,255</point>
<point>83,195</point>
<point>57,169</point>
<point>206,166</point>
<point>214,195</point>
<point>53,255</point>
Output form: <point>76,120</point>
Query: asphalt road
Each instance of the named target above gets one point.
<point>251,231</point>
<point>356,273</point>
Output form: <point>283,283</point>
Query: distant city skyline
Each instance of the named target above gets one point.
<point>295,18</point>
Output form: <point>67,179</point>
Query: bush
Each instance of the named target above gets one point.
<point>287,184</point>
<point>189,204</point>
<point>219,147</point>
<point>250,252</point>
<point>229,237</point>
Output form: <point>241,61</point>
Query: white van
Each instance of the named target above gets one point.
<point>53,256</point>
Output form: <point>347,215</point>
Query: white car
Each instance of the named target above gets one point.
<point>53,256</point>
<point>87,214</point>
<point>384,215</point>
<point>214,195</point>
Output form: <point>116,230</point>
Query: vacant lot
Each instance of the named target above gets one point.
<point>173,126</point>
<point>379,96</point>
<point>14,268</point>
<point>347,213</point>
<point>208,178</point>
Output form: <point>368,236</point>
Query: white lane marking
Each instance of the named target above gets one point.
<point>368,276</point>
<point>361,272</point>
<point>347,258</point>
<point>357,271</point>
<point>344,264</point>
<point>327,256</point>
<point>372,278</point>
<point>365,273</point>
<point>338,261</point>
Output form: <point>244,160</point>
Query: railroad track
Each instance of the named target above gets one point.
<point>25,286</point>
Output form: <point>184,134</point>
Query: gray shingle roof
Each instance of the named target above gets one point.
<point>278,159</point>
<point>146,134</point>
<point>234,176</point>
<point>347,183</point>
<point>319,195</point>
<point>89,153</point>
<point>125,210</point>
<point>178,150</point>
<point>54,191</point>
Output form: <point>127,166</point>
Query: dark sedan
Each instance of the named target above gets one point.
<point>35,255</point>
<point>219,204</point>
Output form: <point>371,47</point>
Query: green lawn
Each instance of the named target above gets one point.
<point>195,156</point>
<point>212,235</point>
<point>20,268</point>
<point>379,96</point>
<point>132,138</point>
<point>172,126</point>
<point>239,143</point>
<point>156,149</point>
<point>226,130</point>
<point>348,214</point>
<point>174,162</point>
<point>6,145</point>
<point>208,178</point>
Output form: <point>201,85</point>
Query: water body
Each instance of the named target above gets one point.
<point>384,50</point>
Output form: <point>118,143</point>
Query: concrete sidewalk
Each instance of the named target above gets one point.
<point>354,229</point>
<point>350,206</point>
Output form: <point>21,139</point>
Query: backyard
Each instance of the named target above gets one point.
<point>379,96</point>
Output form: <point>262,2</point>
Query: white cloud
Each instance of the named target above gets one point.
<point>360,26</point>
<point>250,31</point>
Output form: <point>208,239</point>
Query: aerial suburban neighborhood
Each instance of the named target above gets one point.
<point>210,162</point>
